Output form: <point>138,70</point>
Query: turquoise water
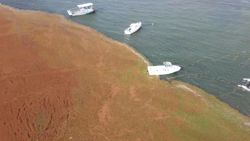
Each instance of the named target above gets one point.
<point>209,38</point>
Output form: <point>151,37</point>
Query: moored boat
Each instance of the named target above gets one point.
<point>166,68</point>
<point>133,28</point>
<point>81,9</point>
<point>245,84</point>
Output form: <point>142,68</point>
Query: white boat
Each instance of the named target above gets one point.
<point>245,84</point>
<point>166,68</point>
<point>81,9</point>
<point>133,28</point>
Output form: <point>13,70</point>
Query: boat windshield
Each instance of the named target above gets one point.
<point>245,83</point>
<point>248,85</point>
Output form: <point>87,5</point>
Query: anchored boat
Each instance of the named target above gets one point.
<point>81,9</point>
<point>133,28</point>
<point>245,84</point>
<point>166,68</point>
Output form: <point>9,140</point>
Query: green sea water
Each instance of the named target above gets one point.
<point>210,39</point>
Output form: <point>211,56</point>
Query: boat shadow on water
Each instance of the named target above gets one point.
<point>170,77</point>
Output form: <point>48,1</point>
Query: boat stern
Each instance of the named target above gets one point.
<point>69,12</point>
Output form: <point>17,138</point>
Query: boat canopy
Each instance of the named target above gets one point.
<point>85,5</point>
<point>246,79</point>
<point>167,63</point>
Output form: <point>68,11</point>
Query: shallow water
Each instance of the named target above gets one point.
<point>209,38</point>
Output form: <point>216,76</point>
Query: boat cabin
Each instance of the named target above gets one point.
<point>86,6</point>
<point>246,83</point>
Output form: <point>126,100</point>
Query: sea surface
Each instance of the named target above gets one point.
<point>210,39</point>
